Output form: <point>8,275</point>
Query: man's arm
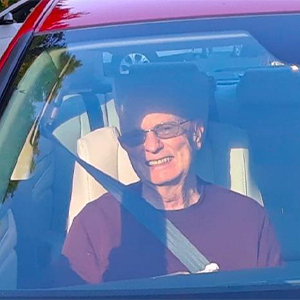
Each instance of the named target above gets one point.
<point>79,251</point>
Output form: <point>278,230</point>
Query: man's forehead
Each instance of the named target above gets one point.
<point>139,121</point>
<point>144,106</point>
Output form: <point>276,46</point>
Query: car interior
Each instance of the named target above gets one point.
<point>251,143</point>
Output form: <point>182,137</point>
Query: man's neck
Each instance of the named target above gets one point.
<point>173,197</point>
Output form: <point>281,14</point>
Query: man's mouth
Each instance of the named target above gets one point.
<point>160,161</point>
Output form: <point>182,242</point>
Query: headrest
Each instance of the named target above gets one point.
<point>269,86</point>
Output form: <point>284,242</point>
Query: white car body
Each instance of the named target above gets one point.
<point>7,32</point>
<point>18,12</point>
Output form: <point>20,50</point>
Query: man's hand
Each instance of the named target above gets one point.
<point>212,267</point>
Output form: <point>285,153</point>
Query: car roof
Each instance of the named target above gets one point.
<point>78,13</point>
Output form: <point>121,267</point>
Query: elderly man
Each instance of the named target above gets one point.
<point>163,113</point>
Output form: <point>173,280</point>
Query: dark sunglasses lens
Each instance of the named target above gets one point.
<point>132,139</point>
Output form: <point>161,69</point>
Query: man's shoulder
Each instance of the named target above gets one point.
<point>98,211</point>
<point>106,204</point>
<point>232,201</point>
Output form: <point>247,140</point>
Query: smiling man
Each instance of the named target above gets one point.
<point>163,113</point>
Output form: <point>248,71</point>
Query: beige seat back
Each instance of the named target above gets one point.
<point>223,160</point>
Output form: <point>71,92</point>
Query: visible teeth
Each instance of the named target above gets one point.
<point>159,161</point>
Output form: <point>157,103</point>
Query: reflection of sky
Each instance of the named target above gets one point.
<point>178,41</point>
<point>221,44</point>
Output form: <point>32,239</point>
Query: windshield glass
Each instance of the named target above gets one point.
<point>150,150</point>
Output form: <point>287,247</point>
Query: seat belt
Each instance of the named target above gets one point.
<point>93,110</point>
<point>154,220</point>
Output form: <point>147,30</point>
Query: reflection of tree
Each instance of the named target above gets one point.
<point>39,45</point>
<point>5,3</point>
<point>12,186</point>
<point>42,93</point>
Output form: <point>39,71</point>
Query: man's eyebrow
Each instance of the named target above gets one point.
<point>174,122</point>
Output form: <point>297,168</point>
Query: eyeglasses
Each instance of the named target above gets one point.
<point>163,131</point>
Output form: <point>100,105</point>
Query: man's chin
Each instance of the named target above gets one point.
<point>159,182</point>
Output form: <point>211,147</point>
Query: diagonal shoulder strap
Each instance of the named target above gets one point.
<point>163,229</point>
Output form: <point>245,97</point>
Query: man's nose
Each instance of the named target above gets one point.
<point>153,143</point>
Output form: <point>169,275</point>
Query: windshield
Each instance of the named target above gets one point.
<point>133,154</point>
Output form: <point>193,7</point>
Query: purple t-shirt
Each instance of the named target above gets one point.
<point>107,243</point>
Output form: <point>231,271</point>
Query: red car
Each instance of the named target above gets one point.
<point>190,106</point>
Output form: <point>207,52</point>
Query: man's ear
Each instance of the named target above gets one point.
<point>198,135</point>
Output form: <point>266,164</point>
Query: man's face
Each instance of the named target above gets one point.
<point>162,161</point>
